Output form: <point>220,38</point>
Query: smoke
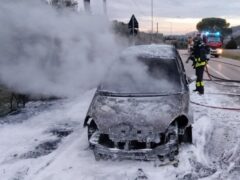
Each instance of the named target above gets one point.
<point>52,52</point>
<point>141,75</point>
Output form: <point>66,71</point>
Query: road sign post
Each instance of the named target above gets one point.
<point>133,27</point>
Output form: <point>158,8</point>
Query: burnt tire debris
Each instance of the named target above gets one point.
<point>141,175</point>
<point>42,149</point>
<point>48,147</point>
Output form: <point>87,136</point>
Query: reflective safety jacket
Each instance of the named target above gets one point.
<point>199,62</point>
<point>200,52</point>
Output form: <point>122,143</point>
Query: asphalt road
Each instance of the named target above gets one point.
<point>221,67</point>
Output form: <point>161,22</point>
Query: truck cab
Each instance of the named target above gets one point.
<point>214,41</point>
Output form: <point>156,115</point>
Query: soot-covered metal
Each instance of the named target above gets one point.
<point>144,115</point>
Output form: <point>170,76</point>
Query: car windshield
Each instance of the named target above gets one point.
<point>143,76</point>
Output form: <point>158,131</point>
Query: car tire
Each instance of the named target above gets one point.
<point>174,133</point>
<point>187,137</point>
<point>92,128</point>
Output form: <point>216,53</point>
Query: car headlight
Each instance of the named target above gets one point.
<point>219,51</point>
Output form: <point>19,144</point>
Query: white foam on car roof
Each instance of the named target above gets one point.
<point>154,50</point>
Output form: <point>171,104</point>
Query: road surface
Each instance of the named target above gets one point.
<point>47,141</point>
<point>221,140</point>
<point>221,67</point>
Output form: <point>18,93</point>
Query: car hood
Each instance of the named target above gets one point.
<point>152,113</point>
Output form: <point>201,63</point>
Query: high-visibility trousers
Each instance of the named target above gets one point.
<point>199,81</point>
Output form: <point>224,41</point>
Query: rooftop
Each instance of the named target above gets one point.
<point>161,51</point>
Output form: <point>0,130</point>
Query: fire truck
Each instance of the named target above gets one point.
<point>214,41</point>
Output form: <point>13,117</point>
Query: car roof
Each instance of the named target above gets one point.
<point>161,51</point>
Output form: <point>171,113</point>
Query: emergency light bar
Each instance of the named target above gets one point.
<point>208,33</point>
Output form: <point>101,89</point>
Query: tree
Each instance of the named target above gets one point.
<point>214,25</point>
<point>120,28</point>
<point>232,44</point>
<point>237,39</point>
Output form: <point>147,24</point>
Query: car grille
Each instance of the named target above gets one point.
<point>126,132</point>
<point>129,145</point>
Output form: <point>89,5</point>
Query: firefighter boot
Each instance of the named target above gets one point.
<point>201,88</point>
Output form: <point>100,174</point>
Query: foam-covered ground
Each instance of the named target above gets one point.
<point>47,141</point>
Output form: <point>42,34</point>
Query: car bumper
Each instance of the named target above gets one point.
<point>216,51</point>
<point>161,152</point>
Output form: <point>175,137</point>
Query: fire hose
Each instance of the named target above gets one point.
<point>226,63</point>
<point>217,80</point>
<point>216,107</point>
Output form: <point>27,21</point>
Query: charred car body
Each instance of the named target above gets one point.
<point>141,110</point>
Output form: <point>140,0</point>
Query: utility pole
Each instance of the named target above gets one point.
<point>152,17</point>
<point>157,27</point>
<point>105,6</point>
<point>87,6</point>
<point>152,14</point>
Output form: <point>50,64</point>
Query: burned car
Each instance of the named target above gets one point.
<point>141,110</point>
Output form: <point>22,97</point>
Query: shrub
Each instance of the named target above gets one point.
<point>232,44</point>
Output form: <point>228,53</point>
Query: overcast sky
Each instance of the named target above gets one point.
<point>176,16</point>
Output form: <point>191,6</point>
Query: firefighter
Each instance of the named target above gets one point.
<point>190,44</point>
<point>199,56</point>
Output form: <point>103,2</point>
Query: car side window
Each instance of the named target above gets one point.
<point>182,68</point>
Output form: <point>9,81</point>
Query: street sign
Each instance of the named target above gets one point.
<point>133,25</point>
